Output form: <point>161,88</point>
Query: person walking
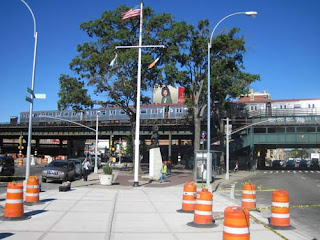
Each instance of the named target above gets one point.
<point>236,168</point>
<point>85,169</point>
<point>163,172</point>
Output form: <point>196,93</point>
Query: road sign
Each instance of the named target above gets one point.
<point>29,99</point>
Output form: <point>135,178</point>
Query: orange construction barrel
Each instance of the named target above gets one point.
<point>32,191</point>
<point>249,195</point>
<point>236,223</point>
<point>45,161</point>
<point>14,202</point>
<point>203,209</point>
<point>189,197</point>
<point>280,212</point>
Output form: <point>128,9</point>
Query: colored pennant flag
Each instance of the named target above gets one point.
<point>113,61</point>
<point>133,12</point>
<point>154,63</point>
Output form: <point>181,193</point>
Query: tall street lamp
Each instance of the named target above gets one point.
<point>96,148</point>
<point>209,167</point>
<point>31,91</point>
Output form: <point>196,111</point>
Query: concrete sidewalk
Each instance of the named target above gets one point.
<point>119,212</point>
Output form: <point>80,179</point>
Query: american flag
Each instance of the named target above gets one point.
<point>133,12</point>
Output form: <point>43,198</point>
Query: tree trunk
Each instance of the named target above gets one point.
<point>197,130</point>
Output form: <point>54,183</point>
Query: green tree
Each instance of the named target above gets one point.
<point>116,86</point>
<point>228,80</point>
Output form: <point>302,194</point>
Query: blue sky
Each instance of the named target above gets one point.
<point>282,43</point>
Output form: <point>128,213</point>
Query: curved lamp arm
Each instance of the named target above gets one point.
<point>34,19</point>
<point>249,13</point>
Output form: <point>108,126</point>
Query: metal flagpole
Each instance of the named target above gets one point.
<point>137,135</point>
<point>137,131</point>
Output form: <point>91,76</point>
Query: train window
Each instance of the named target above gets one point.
<point>297,106</point>
<point>122,112</point>
<point>154,111</point>
<point>74,114</point>
<point>143,111</point>
<point>179,110</point>
<point>251,108</point>
<point>276,130</point>
<point>260,130</point>
<point>291,129</point>
<point>35,115</point>
<point>306,129</point>
<point>103,112</point>
<point>87,113</point>
<point>66,114</point>
<point>59,114</point>
<point>49,114</point>
<point>112,112</point>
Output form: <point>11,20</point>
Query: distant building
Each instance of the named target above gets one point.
<point>254,97</point>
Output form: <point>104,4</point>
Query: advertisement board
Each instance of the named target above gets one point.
<point>168,95</point>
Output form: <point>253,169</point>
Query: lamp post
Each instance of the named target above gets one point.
<point>31,91</point>
<point>96,148</point>
<point>209,167</point>
<point>79,124</point>
<point>228,135</point>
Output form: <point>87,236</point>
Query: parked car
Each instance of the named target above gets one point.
<point>78,165</point>
<point>277,163</point>
<point>6,166</point>
<point>291,164</point>
<point>314,163</point>
<point>60,170</point>
<point>303,163</point>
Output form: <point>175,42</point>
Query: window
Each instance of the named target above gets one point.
<point>154,111</point>
<point>306,129</point>
<point>260,130</point>
<point>104,113</point>
<point>291,129</point>
<point>179,110</point>
<point>143,111</point>
<point>122,112</point>
<point>297,106</point>
<point>112,112</point>
<point>276,130</point>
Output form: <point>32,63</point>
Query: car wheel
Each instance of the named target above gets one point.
<point>44,180</point>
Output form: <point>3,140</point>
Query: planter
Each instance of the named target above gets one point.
<point>105,179</point>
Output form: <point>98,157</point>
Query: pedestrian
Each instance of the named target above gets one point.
<point>236,168</point>
<point>85,169</point>
<point>163,172</point>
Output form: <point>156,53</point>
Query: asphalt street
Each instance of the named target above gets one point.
<point>303,187</point>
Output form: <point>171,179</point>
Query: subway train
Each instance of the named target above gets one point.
<point>154,111</point>
<point>284,107</point>
<point>242,109</point>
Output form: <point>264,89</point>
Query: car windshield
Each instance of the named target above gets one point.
<point>58,164</point>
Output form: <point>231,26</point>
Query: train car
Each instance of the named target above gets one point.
<point>154,111</point>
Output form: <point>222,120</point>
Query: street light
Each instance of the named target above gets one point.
<point>96,148</point>
<point>209,167</point>
<point>95,130</point>
<point>228,135</point>
<point>31,91</point>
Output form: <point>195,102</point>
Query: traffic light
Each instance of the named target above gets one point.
<point>20,140</point>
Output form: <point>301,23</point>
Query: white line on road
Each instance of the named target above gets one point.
<point>282,171</point>
<point>303,177</point>
<point>277,171</point>
<point>288,171</point>
<point>265,172</point>
<point>318,185</point>
<point>294,171</point>
<point>300,171</point>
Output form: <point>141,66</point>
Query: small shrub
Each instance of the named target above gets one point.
<point>107,169</point>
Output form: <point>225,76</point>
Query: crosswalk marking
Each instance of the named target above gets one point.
<point>288,171</point>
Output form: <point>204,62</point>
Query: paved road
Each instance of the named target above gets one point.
<point>303,188</point>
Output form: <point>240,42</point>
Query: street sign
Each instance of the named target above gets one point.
<point>30,91</point>
<point>29,99</point>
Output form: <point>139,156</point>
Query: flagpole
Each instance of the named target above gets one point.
<point>137,135</point>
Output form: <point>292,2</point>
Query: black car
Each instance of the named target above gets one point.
<point>6,166</point>
<point>291,164</point>
<point>276,163</point>
<point>314,163</point>
<point>60,170</point>
<point>303,164</point>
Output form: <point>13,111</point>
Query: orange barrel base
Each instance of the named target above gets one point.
<point>189,197</point>
<point>249,195</point>
<point>14,202</point>
<point>203,209</point>
<point>280,212</point>
<point>32,192</point>
<point>236,223</point>
<point>45,161</point>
